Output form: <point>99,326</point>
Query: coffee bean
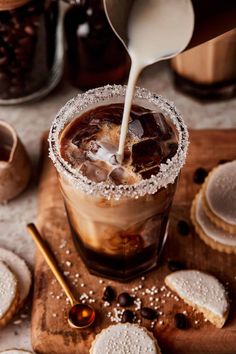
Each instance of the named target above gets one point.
<point>3,56</point>
<point>148,313</point>
<point>181,321</point>
<point>109,294</point>
<point>183,227</point>
<point>15,89</point>
<point>176,265</point>
<point>29,30</point>
<point>85,134</point>
<point>125,299</point>
<point>199,175</point>
<point>3,60</point>
<point>127,316</point>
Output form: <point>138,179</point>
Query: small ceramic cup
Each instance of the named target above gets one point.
<point>15,167</point>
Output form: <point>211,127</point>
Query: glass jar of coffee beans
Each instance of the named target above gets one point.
<point>30,50</point>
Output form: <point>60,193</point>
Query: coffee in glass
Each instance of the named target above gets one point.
<point>118,213</point>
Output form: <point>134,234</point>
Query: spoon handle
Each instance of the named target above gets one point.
<point>42,246</point>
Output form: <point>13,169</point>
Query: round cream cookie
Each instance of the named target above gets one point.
<point>9,296</point>
<point>21,271</point>
<point>125,338</point>
<point>211,234</point>
<point>219,196</point>
<point>203,292</point>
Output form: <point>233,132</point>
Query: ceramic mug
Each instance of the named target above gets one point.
<point>15,167</point>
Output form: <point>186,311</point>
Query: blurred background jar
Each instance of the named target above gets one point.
<point>30,52</point>
<point>95,55</point>
<point>208,70</point>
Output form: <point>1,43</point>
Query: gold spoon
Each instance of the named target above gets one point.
<point>80,315</point>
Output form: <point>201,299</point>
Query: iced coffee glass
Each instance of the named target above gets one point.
<point>118,213</point>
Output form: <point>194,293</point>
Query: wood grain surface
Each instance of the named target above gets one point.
<point>50,330</point>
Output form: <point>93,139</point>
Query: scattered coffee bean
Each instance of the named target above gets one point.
<point>199,175</point>
<point>181,321</point>
<point>183,227</point>
<point>221,162</point>
<point>29,30</point>
<point>109,294</point>
<point>127,316</point>
<point>125,299</point>
<point>176,265</point>
<point>148,313</point>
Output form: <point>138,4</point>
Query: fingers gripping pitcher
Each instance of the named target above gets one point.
<point>118,213</point>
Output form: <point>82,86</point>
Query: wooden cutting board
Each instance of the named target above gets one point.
<point>50,331</point>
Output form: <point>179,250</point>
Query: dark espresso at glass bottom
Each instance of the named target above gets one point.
<point>119,237</point>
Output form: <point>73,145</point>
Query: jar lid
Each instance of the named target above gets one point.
<point>11,4</point>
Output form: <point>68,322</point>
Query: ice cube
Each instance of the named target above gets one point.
<point>121,176</point>
<point>163,130</point>
<point>95,171</point>
<point>150,172</point>
<point>117,175</point>
<point>110,113</point>
<point>148,124</point>
<point>136,128</point>
<point>138,110</point>
<point>146,154</point>
<point>103,151</point>
<point>172,149</point>
<point>76,156</point>
<point>84,134</point>
<point>144,126</point>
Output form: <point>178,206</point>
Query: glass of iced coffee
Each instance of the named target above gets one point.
<point>118,213</point>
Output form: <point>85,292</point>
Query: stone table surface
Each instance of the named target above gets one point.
<point>31,119</point>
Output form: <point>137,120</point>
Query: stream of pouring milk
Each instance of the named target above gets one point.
<point>157,30</point>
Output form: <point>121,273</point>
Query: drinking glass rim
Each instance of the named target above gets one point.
<point>168,171</point>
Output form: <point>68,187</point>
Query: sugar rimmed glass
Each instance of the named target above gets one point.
<point>119,230</point>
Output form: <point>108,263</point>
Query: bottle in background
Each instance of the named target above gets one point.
<point>95,55</point>
<point>208,70</point>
